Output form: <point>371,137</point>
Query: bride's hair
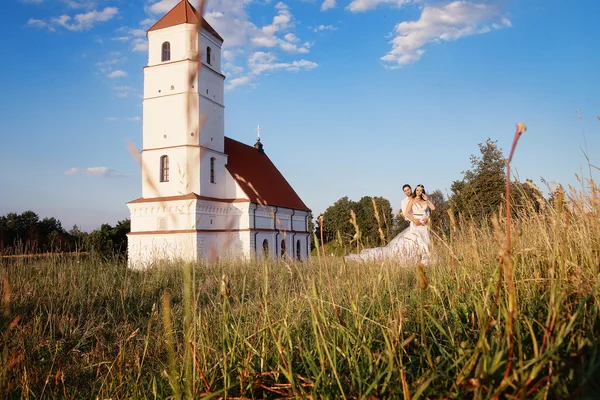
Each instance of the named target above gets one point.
<point>414,195</point>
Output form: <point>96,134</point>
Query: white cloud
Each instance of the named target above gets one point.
<point>235,82</point>
<point>147,22</point>
<point>242,37</point>
<point>117,74</point>
<point>38,23</point>
<point>260,62</point>
<point>439,24</point>
<point>100,172</point>
<point>122,91</point>
<point>140,45</point>
<point>291,38</point>
<point>328,4</point>
<point>324,28</point>
<point>136,36</point>
<point>80,4</point>
<point>365,5</point>
<point>162,6</point>
<point>79,22</point>
<point>71,171</point>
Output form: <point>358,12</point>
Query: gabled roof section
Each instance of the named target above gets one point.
<point>183,13</point>
<point>249,167</point>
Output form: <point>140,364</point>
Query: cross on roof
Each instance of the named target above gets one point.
<point>258,129</point>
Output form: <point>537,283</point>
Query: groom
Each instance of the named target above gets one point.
<point>408,192</point>
<point>404,204</point>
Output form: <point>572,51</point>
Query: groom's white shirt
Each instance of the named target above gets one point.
<point>403,205</point>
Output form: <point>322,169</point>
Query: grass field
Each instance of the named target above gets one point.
<point>321,329</point>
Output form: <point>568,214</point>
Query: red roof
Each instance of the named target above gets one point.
<point>252,169</point>
<point>183,13</point>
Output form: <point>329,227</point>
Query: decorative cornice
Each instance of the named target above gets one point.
<point>189,196</point>
<point>215,231</point>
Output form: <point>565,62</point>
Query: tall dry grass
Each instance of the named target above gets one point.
<point>319,329</point>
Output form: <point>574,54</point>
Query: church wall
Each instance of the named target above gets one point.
<point>184,172</point>
<point>208,188</point>
<point>232,189</point>
<point>283,218</point>
<point>270,237</point>
<point>146,250</point>
<point>182,39</point>
<point>222,245</point>
<point>207,40</point>
<point>163,216</point>
<point>165,122</point>
<point>264,218</point>
<point>218,216</point>
<point>214,126</point>
<point>299,222</point>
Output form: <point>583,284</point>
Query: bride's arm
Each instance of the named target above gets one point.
<point>430,203</point>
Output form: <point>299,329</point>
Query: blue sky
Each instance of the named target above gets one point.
<point>355,97</point>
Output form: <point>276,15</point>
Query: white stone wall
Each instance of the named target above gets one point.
<point>184,172</point>
<point>146,250</point>
<point>181,38</point>
<point>165,116</point>
<point>218,188</point>
<point>206,39</point>
<point>214,125</point>
<point>177,215</point>
<point>232,189</point>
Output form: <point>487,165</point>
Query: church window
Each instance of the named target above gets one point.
<point>208,54</point>
<point>283,248</point>
<point>298,251</point>
<point>166,51</point>
<point>164,169</point>
<point>212,169</point>
<point>265,247</point>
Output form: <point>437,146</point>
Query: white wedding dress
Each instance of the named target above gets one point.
<point>410,245</point>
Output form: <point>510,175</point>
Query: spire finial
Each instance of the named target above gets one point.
<point>258,129</point>
<point>258,145</point>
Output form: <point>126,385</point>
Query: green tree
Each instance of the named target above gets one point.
<point>336,218</point>
<point>367,220</point>
<point>482,190</point>
<point>108,241</point>
<point>479,194</point>
<point>440,221</point>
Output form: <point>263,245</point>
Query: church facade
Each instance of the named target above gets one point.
<point>204,196</point>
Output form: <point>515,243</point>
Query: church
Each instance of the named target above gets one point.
<point>205,196</point>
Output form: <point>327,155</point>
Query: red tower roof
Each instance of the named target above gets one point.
<point>183,13</point>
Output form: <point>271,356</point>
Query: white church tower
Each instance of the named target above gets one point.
<point>204,196</point>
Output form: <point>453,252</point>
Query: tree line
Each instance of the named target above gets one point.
<point>26,233</point>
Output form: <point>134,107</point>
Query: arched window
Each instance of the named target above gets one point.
<point>298,251</point>
<point>166,51</point>
<point>164,169</point>
<point>283,248</point>
<point>265,251</point>
<point>212,169</point>
<point>208,54</point>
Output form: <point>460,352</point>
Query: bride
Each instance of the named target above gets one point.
<point>412,244</point>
